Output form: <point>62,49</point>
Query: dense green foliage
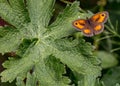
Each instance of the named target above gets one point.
<point>50,52</point>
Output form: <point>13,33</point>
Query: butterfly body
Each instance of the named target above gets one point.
<point>93,25</point>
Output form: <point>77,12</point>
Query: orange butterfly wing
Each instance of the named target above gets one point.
<point>94,25</point>
<point>79,24</point>
<point>97,29</point>
<point>83,26</point>
<point>98,21</point>
<point>88,31</point>
<point>100,17</point>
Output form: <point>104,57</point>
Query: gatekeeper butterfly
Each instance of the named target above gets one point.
<point>93,25</point>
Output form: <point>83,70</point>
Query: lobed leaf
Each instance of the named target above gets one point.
<point>43,51</point>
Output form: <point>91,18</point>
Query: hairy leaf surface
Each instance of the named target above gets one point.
<point>43,51</point>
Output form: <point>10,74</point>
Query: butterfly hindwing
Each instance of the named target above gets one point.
<point>98,28</point>
<point>88,31</point>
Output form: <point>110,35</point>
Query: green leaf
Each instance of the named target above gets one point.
<point>99,83</point>
<point>7,84</point>
<point>39,8</point>
<point>63,22</point>
<point>15,14</point>
<point>112,77</point>
<point>117,84</point>
<point>9,35</point>
<point>107,59</point>
<point>42,50</point>
<point>18,4</point>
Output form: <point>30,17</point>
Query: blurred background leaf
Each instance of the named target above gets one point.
<point>112,77</point>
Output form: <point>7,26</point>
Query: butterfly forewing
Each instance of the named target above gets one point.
<point>100,17</point>
<point>79,24</point>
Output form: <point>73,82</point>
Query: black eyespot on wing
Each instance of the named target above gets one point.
<point>76,23</point>
<point>103,15</point>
